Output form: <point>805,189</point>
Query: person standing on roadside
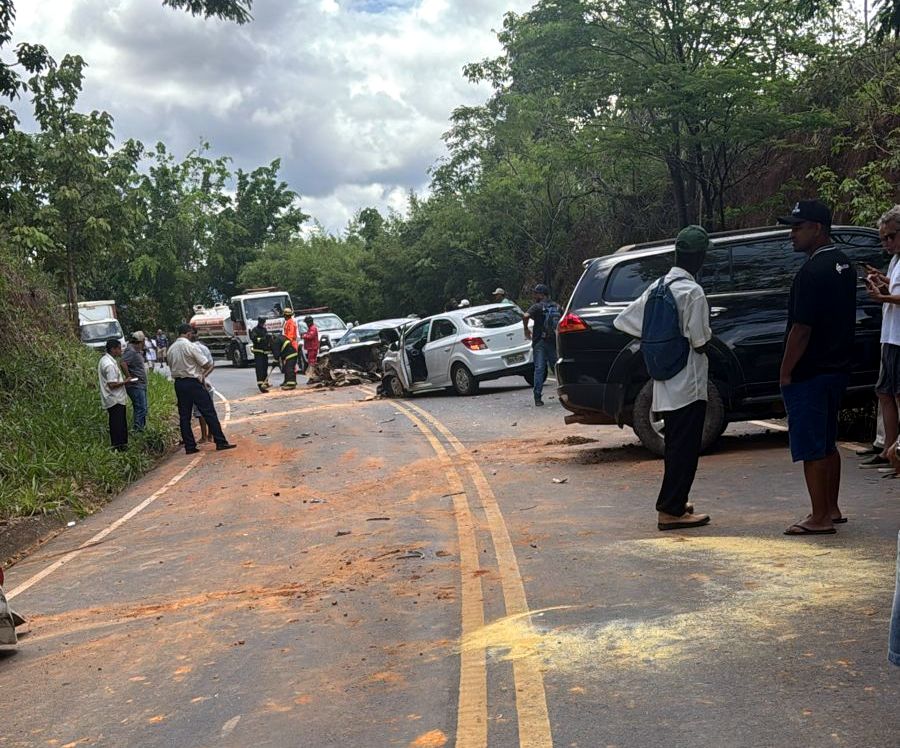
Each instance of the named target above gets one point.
<point>133,363</point>
<point>211,364</point>
<point>112,394</point>
<point>818,352</point>
<point>260,343</point>
<point>311,344</point>
<point>885,288</point>
<point>162,345</point>
<point>545,314</point>
<point>672,319</point>
<point>189,367</point>
<point>499,296</point>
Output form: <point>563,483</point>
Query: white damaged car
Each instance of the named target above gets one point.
<point>458,350</point>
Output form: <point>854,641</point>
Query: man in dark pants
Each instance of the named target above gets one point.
<point>189,367</point>
<point>112,394</point>
<point>542,337</point>
<point>260,342</point>
<point>680,399</point>
<point>283,349</point>
<point>818,354</point>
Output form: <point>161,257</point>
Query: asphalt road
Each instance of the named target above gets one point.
<point>454,571</point>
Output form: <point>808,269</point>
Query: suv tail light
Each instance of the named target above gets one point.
<point>572,323</point>
<point>474,344</point>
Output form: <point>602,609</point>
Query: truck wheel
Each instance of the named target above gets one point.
<point>463,381</point>
<point>392,386</point>
<point>237,360</point>
<point>649,431</point>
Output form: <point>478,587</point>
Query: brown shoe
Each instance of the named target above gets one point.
<point>686,520</point>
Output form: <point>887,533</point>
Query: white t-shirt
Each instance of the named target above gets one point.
<point>890,319</point>
<point>108,371</point>
<point>690,384</point>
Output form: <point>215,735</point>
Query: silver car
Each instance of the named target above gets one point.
<point>459,350</point>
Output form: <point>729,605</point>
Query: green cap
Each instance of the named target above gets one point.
<point>692,240</point>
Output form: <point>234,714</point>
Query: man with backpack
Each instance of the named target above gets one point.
<point>545,314</point>
<point>672,320</point>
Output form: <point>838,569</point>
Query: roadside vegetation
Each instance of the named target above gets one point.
<point>609,122</point>
<point>54,437</point>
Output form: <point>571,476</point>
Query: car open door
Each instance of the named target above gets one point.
<point>414,368</point>
<point>438,350</point>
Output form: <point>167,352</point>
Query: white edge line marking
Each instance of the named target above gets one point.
<point>118,523</point>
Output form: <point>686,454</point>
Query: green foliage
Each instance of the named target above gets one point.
<point>54,437</point>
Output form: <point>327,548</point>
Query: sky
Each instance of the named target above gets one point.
<point>352,95</point>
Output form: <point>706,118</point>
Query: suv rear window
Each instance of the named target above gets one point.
<point>493,318</point>
<point>630,279</point>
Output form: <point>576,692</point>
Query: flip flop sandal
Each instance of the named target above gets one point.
<point>682,525</point>
<point>806,531</point>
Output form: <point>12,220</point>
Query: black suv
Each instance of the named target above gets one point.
<point>747,277</point>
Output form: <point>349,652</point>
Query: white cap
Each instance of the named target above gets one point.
<point>463,303</point>
<point>499,292</point>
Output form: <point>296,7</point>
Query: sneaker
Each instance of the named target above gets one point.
<point>538,402</point>
<point>869,451</point>
<point>875,461</point>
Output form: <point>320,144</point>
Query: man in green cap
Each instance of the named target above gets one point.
<point>672,320</point>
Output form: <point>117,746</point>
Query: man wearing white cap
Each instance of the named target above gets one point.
<point>500,296</point>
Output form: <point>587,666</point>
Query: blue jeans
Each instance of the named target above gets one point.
<point>544,353</point>
<point>894,642</point>
<point>138,397</point>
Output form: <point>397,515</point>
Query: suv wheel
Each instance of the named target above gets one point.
<point>463,381</point>
<point>649,431</point>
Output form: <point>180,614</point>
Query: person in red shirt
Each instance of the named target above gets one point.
<point>311,341</point>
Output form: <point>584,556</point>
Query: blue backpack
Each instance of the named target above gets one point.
<point>552,315</point>
<point>665,349</point>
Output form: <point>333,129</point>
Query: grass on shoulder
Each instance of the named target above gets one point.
<point>54,442</point>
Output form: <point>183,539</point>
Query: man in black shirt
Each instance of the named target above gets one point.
<point>261,342</point>
<point>815,368</point>
<point>545,314</point>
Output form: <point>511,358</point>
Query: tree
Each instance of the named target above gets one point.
<point>699,87</point>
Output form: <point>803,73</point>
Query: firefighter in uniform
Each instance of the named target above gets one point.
<point>261,343</point>
<point>286,355</point>
<point>290,327</point>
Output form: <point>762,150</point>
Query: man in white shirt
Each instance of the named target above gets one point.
<point>885,287</point>
<point>680,399</point>
<point>189,367</point>
<point>112,394</point>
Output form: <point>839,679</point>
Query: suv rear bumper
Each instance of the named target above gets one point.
<point>601,403</point>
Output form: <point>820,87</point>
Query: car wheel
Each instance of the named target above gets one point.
<point>392,386</point>
<point>464,383</point>
<point>650,430</point>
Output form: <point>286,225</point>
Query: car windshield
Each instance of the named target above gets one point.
<point>361,335</point>
<point>494,318</point>
<point>101,331</point>
<point>329,322</point>
<point>265,306</point>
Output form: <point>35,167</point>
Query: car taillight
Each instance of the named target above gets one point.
<point>474,344</point>
<point>572,323</point>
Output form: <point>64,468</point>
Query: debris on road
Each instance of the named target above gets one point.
<point>560,480</point>
<point>571,441</point>
<point>378,519</point>
<point>339,533</point>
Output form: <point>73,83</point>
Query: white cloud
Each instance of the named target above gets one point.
<point>353,95</point>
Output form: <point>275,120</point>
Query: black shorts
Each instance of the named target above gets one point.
<point>889,376</point>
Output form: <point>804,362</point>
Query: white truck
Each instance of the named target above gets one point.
<point>225,328</point>
<point>98,322</point>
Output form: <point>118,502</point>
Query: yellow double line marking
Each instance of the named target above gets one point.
<point>531,701</point>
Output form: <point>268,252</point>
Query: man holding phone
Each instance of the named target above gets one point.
<point>885,288</point>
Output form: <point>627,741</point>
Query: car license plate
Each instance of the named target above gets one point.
<point>516,358</point>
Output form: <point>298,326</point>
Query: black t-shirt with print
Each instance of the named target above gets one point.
<point>823,296</point>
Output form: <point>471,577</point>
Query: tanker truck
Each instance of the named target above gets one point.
<point>225,328</point>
